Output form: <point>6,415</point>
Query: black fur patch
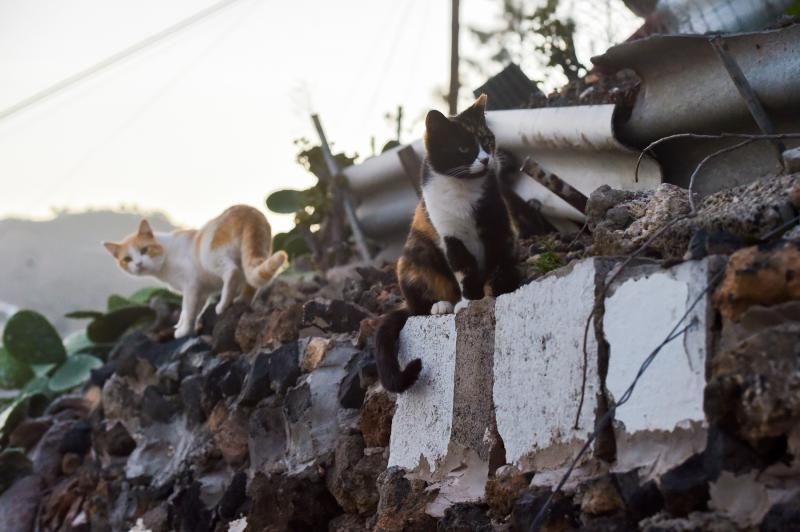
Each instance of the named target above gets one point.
<point>427,274</point>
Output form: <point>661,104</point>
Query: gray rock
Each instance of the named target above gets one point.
<point>352,479</point>
<point>18,504</point>
<point>192,398</point>
<point>336,315</point>
<point>272,372</point>
<point>267,438</point>
<point>782,516</point>
<point>313,435</point>
<point>791,160</point>
<point>685,488</point>
<point>622,221</point>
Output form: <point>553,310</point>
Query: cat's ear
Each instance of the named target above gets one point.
<point>112,247</point>
<point>480,103</point>
<point>144,229</point>
<point>435,122</point>
<point>477,109</point>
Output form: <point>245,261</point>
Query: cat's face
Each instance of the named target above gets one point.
<point>139,253</point>
<point>461,146</point>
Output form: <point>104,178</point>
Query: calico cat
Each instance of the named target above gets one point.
<point>461,237</point>
<point>231,253</point>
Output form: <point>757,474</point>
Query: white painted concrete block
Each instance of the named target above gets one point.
<point>538,367</point>
<point>639,313</point>
<point>424,415</point>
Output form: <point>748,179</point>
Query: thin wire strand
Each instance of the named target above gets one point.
<point>676,332</point>
<point>65,179</point>
<point>748,139</point>
<point>709,136</point>
<point>116,58</point>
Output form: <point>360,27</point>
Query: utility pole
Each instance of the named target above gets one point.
<point>399,121</point>
<point>452,96</point>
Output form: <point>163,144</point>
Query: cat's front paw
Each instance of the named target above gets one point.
<point>441,307</point>
<point>464,303</point>
<point>182,330</point>
<point>220,308</point>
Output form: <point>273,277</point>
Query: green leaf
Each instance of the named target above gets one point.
<point>144,295</point>
<point>292,243</point>
<point>73,372</point>
<point>37,385</point>
<point>13,373</point>
<point>77,342</point>
<point>31,339</point>
<point>793,10</point>
<point>117,302</point>
<point>12,415</point>
<point>83,314</point>
<point>110,327</point>
<point>286,201</point>
<point>41,370</point>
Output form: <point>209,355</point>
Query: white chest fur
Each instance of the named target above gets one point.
<point>451,206</point>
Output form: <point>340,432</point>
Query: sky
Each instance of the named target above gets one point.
<point>208,117</point>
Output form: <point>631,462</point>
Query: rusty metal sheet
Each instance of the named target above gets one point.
<point>685,87</point>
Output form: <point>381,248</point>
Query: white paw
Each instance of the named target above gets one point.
<point>220,308</point>
<point>182,330</point>
<point>442,307</point>
<point>464,303</point>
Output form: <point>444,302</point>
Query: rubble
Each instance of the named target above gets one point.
<point>760,275</point>
<point>621,221</point>
<point>272,419</point>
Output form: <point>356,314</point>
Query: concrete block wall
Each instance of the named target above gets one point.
<point>508,374</point>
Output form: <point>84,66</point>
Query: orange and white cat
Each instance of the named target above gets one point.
<point>231,253</point>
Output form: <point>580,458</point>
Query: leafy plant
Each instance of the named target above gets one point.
<point>122,314</point>
<point>37,362</point>
<point>547,262</point>
<point>33,351</point>
<point>30,339</point>
<point>317,227</point>
<point>533,35</point>
<point>13,374</point>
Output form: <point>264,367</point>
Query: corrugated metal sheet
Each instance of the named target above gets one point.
<point>576,143</point>
<point>686,89</point>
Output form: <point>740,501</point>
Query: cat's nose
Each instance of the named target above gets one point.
<point>485,161</point>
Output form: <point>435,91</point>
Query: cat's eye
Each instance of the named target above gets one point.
<point>127,259</point>
<point>463,149</point>
<point>144,250</point>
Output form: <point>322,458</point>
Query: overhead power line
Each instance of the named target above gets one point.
<point>115,58</point>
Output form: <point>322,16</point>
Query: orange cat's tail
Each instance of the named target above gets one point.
<point>258,274</point>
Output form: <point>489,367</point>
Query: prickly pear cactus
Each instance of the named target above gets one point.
<point>31,339</point>
<point>13,373</point>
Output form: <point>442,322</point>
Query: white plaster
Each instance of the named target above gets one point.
<point>424,413</point>
<point>638,316</point>
<point>538,363</point>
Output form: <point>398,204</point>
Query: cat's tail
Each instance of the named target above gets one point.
<point>259,272</point>
<point>392,377</point>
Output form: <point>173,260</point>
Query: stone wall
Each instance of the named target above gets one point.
<point>272,419</point>
<point>666,462</point>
